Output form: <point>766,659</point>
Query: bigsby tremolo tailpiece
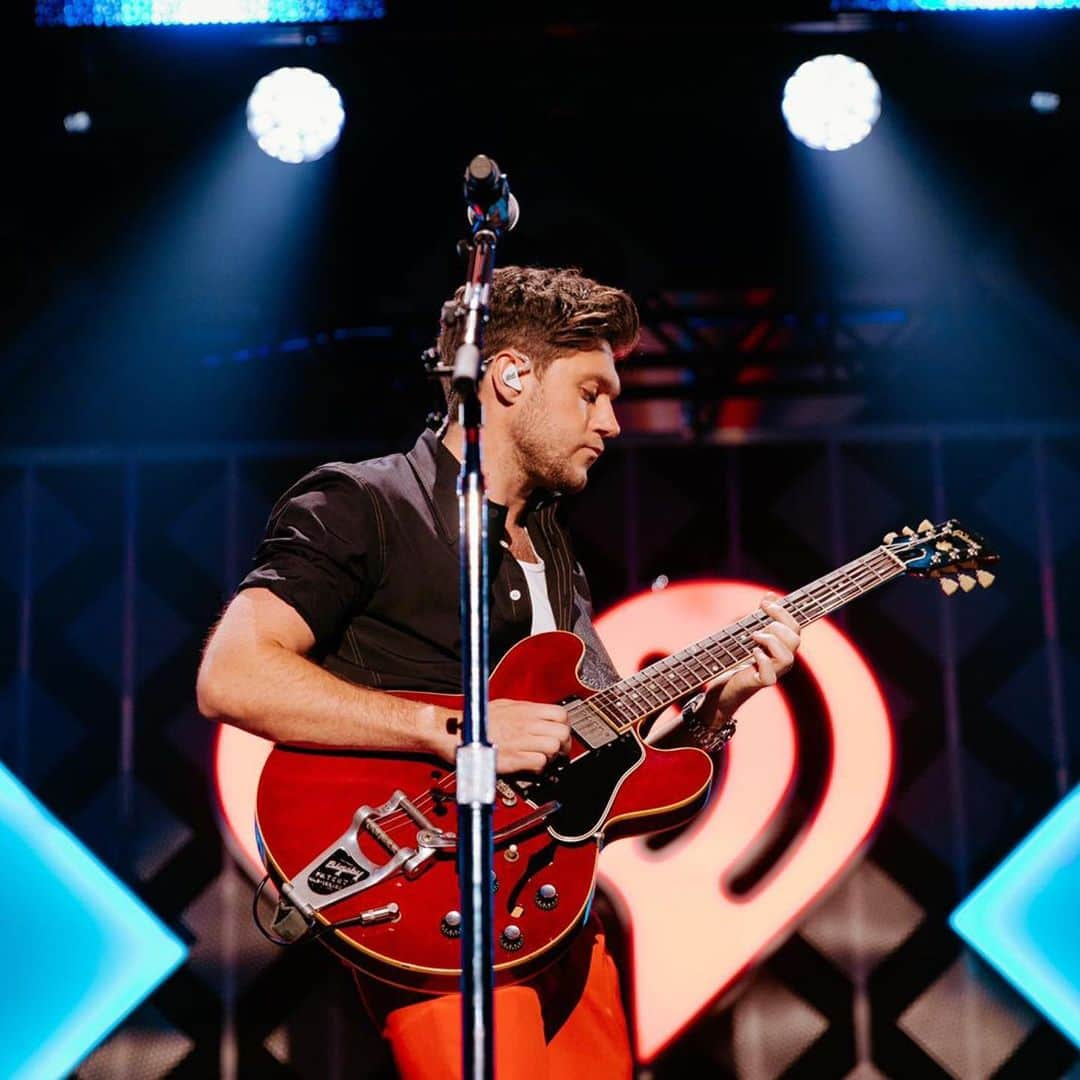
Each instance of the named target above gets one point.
<point>342,870</point>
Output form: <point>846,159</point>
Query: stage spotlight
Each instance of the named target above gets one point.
<point>77,123</point>
<point>831,102</point>
<point>295,115</point>
<point>1045,101</point>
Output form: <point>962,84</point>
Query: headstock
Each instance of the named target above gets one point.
<point>954,555</point>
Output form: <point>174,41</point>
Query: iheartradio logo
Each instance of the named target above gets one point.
<point>696,917</point>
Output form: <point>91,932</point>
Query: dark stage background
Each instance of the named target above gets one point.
<point>835,346</point>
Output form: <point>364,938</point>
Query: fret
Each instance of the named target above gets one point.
<point>866,579</point>
<point>647,697</point>
<point>873,576</point>
<point>603,703</point>
<point>641,692</point>
<point>608,703</point>
<point>741,651</point>
<point>793,603</point>
<point>891,565</point>
<point>874,573</point>
<point>865,570</point>
<point>857,589</point>
<point>826,583</point>
<point>630,711</point>
<point>811,598</point>
<point>674,676</point>
<point>729,659</point>
<point>714,664</point>
<point>756,622</point>
<point>613,707</point>
<point>717,643</point>
<point>654,692</point>
<point>700,672</point>
<point>830,595</point>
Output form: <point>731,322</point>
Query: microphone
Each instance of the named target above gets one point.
<point>487,195</point>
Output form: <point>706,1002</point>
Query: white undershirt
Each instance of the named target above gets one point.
<point>543,618</point>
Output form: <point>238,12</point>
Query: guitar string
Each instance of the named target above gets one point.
<point>682,664</point>
<point>400,820</point>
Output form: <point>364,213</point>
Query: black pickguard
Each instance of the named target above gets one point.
<point>585,786</point>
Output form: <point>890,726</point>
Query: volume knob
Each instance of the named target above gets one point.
<point>547,896</point>
<point>451,924</point>
<point>511,939</point>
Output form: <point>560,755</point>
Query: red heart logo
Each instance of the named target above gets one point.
<point>691,936</point>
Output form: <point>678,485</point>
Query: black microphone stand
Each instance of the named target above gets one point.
<point>492,211</point>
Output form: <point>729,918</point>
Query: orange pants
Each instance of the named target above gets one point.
<point>591,1043</point>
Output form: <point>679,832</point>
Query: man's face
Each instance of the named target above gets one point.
<point>564,417</point>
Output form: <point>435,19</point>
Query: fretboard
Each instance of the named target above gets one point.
<point>600,718</point>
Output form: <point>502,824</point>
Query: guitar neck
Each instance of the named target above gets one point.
<point>666,681</point>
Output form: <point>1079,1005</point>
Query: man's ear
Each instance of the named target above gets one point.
<point>508,371</point>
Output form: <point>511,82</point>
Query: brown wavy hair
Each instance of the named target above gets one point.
<point>546,313</point>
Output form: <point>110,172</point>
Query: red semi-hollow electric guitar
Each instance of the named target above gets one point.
<point>361,844</point>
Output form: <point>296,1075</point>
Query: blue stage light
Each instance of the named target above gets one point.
<point>831,102</point>
<point>77,123</point>
<point>202,12</point>
<point>954,5</point>
<point>79,950</point>
<point>1045,101</point>
<point>295,115</point>
<point>1023,918</point>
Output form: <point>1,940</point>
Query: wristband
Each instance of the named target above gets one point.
<point>709,739</point>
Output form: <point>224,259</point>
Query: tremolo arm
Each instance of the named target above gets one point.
<point>342,869</point>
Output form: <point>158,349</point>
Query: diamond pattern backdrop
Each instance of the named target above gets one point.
<point>113,569</point>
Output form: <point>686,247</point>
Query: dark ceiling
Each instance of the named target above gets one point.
<point>647,148</point>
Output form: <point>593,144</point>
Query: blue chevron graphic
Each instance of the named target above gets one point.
<point>1024,919</point>
<point>78,949</point>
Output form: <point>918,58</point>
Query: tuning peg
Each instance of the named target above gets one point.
<point>889,537</point>
<point>907,530</point>
<point>985,578</point>
<point>948,586</point>
<point>967,582</point>
<point>925,526</point>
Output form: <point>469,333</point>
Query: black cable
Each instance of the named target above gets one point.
<point>311,935</point>
<point>272,938</point>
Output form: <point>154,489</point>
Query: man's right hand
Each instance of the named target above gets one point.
<point>527,735</point>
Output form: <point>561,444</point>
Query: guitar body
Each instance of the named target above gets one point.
<point>308,797</point>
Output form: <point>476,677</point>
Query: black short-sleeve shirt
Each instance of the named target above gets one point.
<point>367,554</point>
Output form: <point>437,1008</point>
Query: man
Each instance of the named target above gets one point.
<point>355,592</point>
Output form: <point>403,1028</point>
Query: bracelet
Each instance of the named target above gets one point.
<point>708,738</point>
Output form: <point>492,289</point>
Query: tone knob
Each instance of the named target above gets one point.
<point>451,924</point>
<point>547,896</point>
<point>511,939</point>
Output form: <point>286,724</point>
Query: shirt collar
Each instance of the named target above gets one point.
<point>438,471</point>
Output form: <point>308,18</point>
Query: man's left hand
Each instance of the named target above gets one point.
<point>774,655</point>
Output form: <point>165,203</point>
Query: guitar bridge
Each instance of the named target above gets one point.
<point>342,869</point>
